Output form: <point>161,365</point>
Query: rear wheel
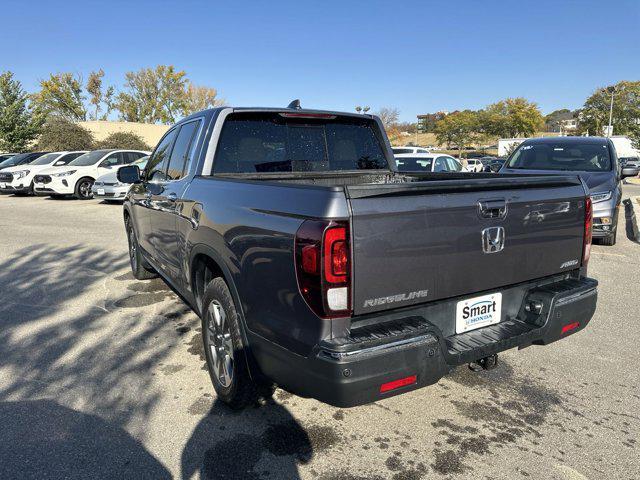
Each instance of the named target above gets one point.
<point>224,349</point>
<point>83,188</point>
<point>138,264</point>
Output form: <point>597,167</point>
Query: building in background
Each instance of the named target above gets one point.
<point>150,133</point>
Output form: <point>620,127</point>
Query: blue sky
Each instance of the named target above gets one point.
<point>417,56</point>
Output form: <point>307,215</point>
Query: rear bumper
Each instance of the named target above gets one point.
<point>350,371</point>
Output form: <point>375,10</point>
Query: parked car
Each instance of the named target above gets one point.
<point>109,188</point>
<point>20,159</point>
<point>629,162</point>
<point>593,158</point>
<point>78,176</point>
<point>474,165</point>
<point>315,265</point>
<point>19,179</point>
<point>427,162</point>
<point>492,164</point>
<point>409,149</point>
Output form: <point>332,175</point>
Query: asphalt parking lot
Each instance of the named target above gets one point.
<point>102,376</point>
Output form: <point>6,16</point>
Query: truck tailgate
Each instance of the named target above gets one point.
<point>429,240</point>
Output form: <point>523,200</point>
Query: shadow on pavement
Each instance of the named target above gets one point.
<point>64,337</point>
<point>41,439</point>
<point>232,445</point>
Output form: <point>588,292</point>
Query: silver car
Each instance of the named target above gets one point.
<point>593,158</point>
<point>107,187</point>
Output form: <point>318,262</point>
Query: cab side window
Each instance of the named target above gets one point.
<point>440,165</point>
<point>157,164</point>
<point>181,153</point>
<point>454,166</point>
<point>111,161</point>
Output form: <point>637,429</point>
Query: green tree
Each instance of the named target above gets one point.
<point>128,140</point>
<point>98,97</point>
<point>60,134</point>
<point>594,116</point>
<point>153,95</point>
<point>199,98</point>
<point>61,95</point>
<point>19,124</point>
<point>510,118</point>
<point>459,128</point>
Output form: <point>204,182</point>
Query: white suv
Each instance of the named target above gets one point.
<point>78,176</point>
<point>408,149</point>
<point>19,179</point>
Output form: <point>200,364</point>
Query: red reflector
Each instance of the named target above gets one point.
<point>568,328</point>
<point>403,382</point>
<point>310,256</point>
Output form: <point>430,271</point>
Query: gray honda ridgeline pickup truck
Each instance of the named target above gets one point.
<point>315,265</point>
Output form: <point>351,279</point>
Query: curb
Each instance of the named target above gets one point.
<point>635,215</point>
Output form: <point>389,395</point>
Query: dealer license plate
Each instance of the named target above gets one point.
<point>100,191</point>
<point>478,312</point>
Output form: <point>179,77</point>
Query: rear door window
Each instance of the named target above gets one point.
<point>270,142</point>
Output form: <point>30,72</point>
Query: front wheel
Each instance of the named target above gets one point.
<point>224,349</point>
<point>83,189</point>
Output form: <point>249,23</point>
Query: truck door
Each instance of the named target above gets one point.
<point>167,202</point>
<point>152,183</point>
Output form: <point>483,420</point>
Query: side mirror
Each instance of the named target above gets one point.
<point>630,172</point>
<point>59,163</point>
<point>129,174</point>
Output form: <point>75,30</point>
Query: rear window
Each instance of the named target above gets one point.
<point>269,142</point>
<point>563,156</point>
<point>414,164</point>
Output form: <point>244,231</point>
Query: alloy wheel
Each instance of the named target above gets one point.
<point>220,343</point>
<point>85,189</point>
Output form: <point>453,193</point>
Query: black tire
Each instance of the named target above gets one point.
<point>139,267</point>
<point>228,371</point>
<point>609,241</point>
<point>83,189</point>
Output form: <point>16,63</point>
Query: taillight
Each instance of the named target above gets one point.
<point>323,267</point>
<point>588,229</point>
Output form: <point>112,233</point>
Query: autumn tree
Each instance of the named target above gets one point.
<point>199,98</point>
<point>19,123</point>
<point>153,95</point>
<point>98,96</point>
<point>594,116</point>
<point>61,95</point>
<point>510,118</point>
<point>459,128</point>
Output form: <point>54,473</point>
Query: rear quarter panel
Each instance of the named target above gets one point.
<point>252,226</point>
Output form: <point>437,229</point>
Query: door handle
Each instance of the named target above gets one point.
<point>172,197</point>
<point>196,212</point>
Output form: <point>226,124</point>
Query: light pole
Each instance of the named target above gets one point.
<point>612,91</point>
